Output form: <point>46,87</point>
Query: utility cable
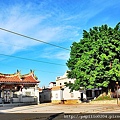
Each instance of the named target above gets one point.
<point>31,59</point>
<point>17,67</point>
<point>33,39</point>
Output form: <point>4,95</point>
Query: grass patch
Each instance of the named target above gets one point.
<point>104,98</point>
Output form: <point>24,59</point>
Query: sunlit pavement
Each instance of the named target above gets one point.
<point>55,110</point>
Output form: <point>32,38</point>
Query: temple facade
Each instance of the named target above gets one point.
<point>17,88</point>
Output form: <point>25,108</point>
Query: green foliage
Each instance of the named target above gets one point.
<point>95,60</point>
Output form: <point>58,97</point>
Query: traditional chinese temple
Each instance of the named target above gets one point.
<point>17,88</point>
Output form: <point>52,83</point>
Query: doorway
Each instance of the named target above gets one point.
<point>6,96</point>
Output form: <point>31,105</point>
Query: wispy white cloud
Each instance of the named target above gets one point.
<point>53,53</point>
<point>20,22</point>
<point>61,55</point>
<point>50,23</point>
<point>88,11</point>
<point>35,25</point>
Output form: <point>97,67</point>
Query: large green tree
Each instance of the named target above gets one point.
<point>95,60</point>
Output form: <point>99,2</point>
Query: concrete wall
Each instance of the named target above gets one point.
<point>56,96</point>
<point>24,99</point>
<point>28,99</point>
<point>30,94</point>
<point>28,91</point>
<point>67,95</point>
<point>15,100</point>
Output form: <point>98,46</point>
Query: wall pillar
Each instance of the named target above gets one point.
<point>36,91</point>
<point>2,95</point>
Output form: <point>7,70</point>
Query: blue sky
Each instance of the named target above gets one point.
<point>59,22</point>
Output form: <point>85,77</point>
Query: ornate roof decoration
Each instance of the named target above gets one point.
<point>18,78</point>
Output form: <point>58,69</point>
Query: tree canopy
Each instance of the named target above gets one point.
<point>95,60</point>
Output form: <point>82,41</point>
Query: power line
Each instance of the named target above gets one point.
<point>33,69</point>
<point>34,39</point>
<point>31,59</point>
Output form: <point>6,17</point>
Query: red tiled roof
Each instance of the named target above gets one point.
<point>29,79</point>
<point>14,78</point>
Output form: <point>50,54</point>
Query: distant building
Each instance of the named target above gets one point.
<point>52,84</point>
<point>17,88</point>
<point>62,79</point>
<point>61,93</point>
<point>57,92</point>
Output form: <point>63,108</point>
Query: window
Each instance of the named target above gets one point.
<point>72,95</point>
<point>69,81</point>
<point>89,93</point>
<point>56,95</point>
<point>60,83</point>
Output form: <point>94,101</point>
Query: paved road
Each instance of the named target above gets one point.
<point>55,110</point>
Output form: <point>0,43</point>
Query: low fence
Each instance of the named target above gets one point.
<point>21,100</point>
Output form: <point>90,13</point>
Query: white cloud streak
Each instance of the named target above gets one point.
<point>61,55</point>
<point>34,25</point>
<point>53,24</point>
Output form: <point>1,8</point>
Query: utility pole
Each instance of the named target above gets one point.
<point>117,91</point>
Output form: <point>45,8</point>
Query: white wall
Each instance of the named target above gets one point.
<point>28,91</point>
<point>66,94</point>
<point>73,95</point>
<point>32,92</point>
<point>56,95</point>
